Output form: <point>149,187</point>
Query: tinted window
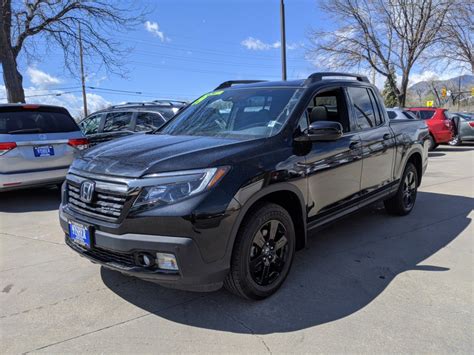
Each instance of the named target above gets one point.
<point>148,120</point>
<point>90,125</point>
<point>115,121</point>
<point>365,113</point>
<point>391,114</point>
<point>409,115</point>
<point>378,115</point>
<point>425,115</point>
<point>24,122</point>
<point>331,106</point>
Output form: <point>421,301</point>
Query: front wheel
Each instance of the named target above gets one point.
<point>263,253</point>
<point>403,202</point>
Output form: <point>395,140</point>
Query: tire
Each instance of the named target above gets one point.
<point>256,254</point>
<point>432,143</point>
<point>403,202</point>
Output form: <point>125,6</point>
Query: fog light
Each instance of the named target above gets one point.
<point>166,261</point>
<point>145,260</point>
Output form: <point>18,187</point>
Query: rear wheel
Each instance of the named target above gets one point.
<point>263,253</point>
<point>403,202</point>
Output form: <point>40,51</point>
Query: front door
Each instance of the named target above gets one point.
<point>333,168</point>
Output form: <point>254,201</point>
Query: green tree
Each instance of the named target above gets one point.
<point>389,96</point>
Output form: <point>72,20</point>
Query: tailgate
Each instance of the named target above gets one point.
<point>36,152</point>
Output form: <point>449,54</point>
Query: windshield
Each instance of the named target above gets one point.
<point>236,113</point>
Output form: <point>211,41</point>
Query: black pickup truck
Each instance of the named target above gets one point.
<point>226,191</point>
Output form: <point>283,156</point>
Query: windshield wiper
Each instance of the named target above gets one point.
<point>25,130</point>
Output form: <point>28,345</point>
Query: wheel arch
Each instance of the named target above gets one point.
<point>416,159</point>
<point>287,196</point>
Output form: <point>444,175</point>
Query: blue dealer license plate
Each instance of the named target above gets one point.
<point>80,234</point>
<point>43,151</point>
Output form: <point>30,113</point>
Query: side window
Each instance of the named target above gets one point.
<point>364,110</point>
<point>115,121</point>
<point>148,120</point>
<point>391,114</point>
<point>90,125</point>
<point>378,115</point>
<point>303,123</point>
<point>329,105</point>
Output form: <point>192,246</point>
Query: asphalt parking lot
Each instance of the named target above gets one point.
<point>370,283</point>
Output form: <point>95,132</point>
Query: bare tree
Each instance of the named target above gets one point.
<point>378,34</point>
<point>48,24</point>
<point>458,34</point>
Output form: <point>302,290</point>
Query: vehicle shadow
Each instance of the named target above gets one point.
<point>435,154</point>
<point>463,148</point>
<point>30,200</point>
<point>346,266</point>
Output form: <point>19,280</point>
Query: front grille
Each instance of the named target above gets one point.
<point>106,256</point>
<point>107,205</point>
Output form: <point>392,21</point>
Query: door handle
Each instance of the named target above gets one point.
<point>354,145</point>
<point>387,136</point>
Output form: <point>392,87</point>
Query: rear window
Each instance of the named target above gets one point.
<point>391,114</point>
<point>24,122</point>
<point>425,115</point>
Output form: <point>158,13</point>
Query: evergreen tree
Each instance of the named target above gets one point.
<point>389,97</point>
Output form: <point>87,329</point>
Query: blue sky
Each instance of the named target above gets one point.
<point>186,48</point>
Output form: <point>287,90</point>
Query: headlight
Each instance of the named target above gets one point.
<point>176,186</point>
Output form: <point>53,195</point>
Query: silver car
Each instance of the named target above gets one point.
<point>37,145</point>
<point>400,114</point>
<point>463,126</point>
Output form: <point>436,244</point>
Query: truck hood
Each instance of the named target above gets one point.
<point>139,155</point>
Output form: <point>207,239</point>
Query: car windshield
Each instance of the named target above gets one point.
<point>243,113</point>
<point>23,122</point>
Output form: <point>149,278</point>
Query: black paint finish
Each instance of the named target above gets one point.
<point>317,182</point>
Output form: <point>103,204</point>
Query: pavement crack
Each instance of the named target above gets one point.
<point>29,238</point>
<point>112,325</point>
<point>244,325</point>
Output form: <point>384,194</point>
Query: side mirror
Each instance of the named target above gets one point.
<point>321,131</point>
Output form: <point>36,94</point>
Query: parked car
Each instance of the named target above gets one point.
<point>400,114</point>
<point>226,191</point>
<point>463,126</point>
<point>130,118</point>
<point>37,145</point>
<point>439,124</point>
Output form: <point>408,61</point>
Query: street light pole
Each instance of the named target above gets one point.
<point>283,40</point>
<point>83,79</point>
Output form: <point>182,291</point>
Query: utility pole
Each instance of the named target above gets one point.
<point>83,79</point>
<point>283,40</point>
<point>459,93</point>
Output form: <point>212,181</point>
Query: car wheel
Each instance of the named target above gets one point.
<point>263,253</point>
<point>431,143</point>
<point>403,202</point>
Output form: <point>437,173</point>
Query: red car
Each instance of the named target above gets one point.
<point>439,124</point>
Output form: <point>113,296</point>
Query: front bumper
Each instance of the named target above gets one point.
<point>13,181</point>
<point>117,252</point>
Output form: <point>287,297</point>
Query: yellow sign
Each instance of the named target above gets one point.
<point>443,92</point>
<point>429,103</point>
<point>472,91</point>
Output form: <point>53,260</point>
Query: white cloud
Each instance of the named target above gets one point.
<point>257,45</point>
<point>41,79</point>
<point>71,101</point>
<point>154,29</point>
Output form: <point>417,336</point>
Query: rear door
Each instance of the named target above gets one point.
<point>41,136</point>
<point>378,142</point>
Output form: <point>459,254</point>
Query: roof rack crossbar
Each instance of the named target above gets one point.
<point>319,76</point>
<point>228,84</point>
<point>149,103</point>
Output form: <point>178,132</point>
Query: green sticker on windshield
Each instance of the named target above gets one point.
<point>205,96</point>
